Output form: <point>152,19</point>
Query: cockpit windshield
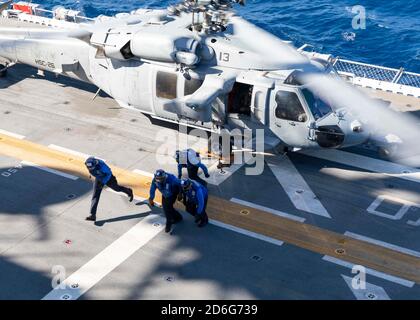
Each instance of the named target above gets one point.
<point>318,107</point>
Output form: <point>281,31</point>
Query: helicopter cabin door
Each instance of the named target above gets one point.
<point>173,93</point>
<point>239,99</point>
<point>289,118</point>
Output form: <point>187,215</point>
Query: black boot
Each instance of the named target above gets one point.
<point>203,222</point>
<point>92,217</point>
<point>168,227</point>
<point>130,195</point>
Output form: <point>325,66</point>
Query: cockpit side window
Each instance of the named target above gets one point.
<point>166,85</point>
<point>318,107</point>
<point>289,107</point>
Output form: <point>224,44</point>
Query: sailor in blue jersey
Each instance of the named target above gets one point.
<point>195,197</point>
<point>191,160</point>
<point>103,177</point>
<point>169,187</point>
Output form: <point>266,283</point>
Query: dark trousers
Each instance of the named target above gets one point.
<point>191,208</point>
<point>193,175</point>
<point>172,216</point>
<point>97,190</point>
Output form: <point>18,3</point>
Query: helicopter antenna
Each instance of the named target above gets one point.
<point>214,13</point>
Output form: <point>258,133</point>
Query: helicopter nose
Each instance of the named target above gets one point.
<point>355,133</point>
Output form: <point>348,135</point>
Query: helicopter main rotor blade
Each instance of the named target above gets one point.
<point>384,124</point>
<point>283,54</point>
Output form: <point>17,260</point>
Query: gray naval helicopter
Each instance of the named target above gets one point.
<point>199,64</point>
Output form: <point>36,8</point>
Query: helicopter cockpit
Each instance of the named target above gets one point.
<point>297,111</point>
<point>319,108</point>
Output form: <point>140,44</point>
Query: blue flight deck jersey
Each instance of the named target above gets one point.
<point>189,158</point>
<point>197,195</point>
<point>102,172</point>
<point>170,187</point>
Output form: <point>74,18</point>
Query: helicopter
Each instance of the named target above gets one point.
<point>198,64</point>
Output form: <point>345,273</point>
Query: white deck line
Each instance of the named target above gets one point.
<point>366,163</point>
<point>296,187</point>
<point>371,289</point>
<point>106,261</point>
<point>217,178</point>
<point>275,212</point>
<point>383,244</point>
<point>56,172</point>
<point>137,198</point>
<point>144,173</point>
<point>385,276</point>
<point>12,134</point>
<point>66,150</point>
<point>246,232</point>
<point>124,195</point>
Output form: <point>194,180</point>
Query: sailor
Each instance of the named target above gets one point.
<point>103,177</point>
<point>191,160</point>
<point>169,187</point>
<point>195,197</point>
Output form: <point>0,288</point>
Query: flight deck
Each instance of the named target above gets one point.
<point>294,232</point>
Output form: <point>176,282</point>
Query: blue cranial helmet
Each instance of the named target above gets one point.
<point>160,176</point>
<point>186,184</point>
<point>91,163</point>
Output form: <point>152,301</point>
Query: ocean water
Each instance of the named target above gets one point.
<point>391,37</point>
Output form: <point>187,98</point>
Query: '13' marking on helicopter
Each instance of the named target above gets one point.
<point>224,57</point>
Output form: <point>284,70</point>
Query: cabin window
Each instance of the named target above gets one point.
<point>289,107</point>
<point>166,85</point>
<point>259,105</point>
<point>192,85</point>
<point>259,102</point>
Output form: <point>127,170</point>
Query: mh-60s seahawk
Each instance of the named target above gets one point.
<point>199,64</point>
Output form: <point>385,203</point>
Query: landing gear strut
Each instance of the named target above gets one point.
<point>221,146</point>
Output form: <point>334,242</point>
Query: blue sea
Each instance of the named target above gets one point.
<point>391,37</point>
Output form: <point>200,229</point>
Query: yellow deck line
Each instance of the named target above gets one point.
<point>303,235</point>
<point>68,163</point>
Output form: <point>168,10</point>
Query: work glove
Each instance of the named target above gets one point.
<point>151,202</point>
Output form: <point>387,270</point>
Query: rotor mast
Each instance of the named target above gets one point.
<point>208,16</point>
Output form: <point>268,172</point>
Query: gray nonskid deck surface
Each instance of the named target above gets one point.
<point>37,217</point>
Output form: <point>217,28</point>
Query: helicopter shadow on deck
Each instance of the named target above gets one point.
<point>415,113</point>
<point>21,72</point>
<point>27,191</point>
<point>225,260</point>
<point>21,283</point>
<point>27,196</point>
<point>226,265</point>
